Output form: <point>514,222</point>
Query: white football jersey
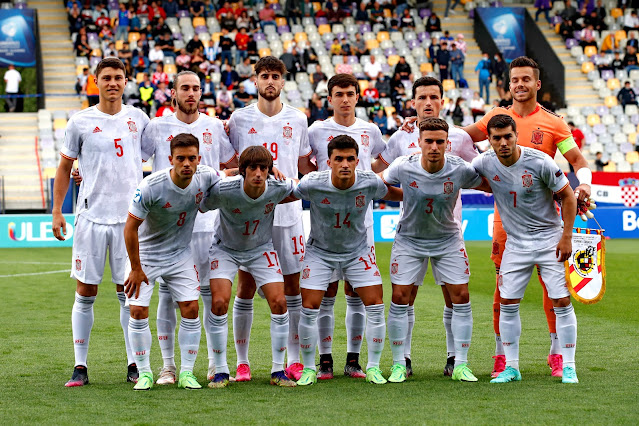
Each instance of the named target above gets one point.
<point>338,216</point>
<point>169,213</point>
<point>524,196</point>
<point>109,153</point>
<point>285,135</point>
<point>215,149</point>
<point>368,138</point>
<point>428,221</point>
<point>459,143</point>
<point>245,223</point>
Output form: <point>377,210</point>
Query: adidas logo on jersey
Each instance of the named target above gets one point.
<point>413,184</point>
<point>496,179</point>
<point>325,201</point>
<point>237,211</point>
<point>167,205</point>
<point>376,274</point>
<point>252,131</point>
<point>412,145</point>
<point>330,138</point>
<point>170,138</point>
<point>97,130</point>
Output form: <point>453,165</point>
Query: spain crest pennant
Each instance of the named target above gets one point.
<point>586,267</point>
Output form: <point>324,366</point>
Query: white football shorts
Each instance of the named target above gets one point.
<point>181,278</point>
<point>90,243</point>
<point>370,239</point>
<point>261,262</point>
<point>200,245</point>
<point>408,266</point>
<point>290,244</point>
<point>360,270</point>
<point>517,266</point>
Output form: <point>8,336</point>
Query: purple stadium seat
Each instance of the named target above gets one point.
<point>293,95</point>
<point>390,51</point>
<point>424,13</point>
<point>571,42</point>
<point>360,76</point>
<point>467,93</point>
<point>353,60</point>
<point>276,7</point>
<point>320,21</point>
<point>634,119</point>
<point>423,36</point>
<point>259,36</point>
<point>626,148</point>
<point>342,36</point>
<point>183,14</point>
<point>556,20</point>
<point>283,29</point>
<point>201,29</point>
<point>590,137</point>
<point>92,37</point>
<point>94,61</point>
<point>599,129</point>
<point>471,14</point>
<point>413,44</point>
<point>607,74</point>
<point>20,6</point>
<point>386,68</point>
<point>364,28</point>
<point>601,110</point>
<point>496,4</point>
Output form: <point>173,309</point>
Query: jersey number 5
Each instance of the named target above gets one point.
<point>119,151</point>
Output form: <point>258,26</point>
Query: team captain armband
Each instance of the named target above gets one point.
<point>566,145</point>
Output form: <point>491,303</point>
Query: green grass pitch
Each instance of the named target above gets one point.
<point>37,359</point>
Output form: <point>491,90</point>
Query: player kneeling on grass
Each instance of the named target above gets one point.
<point>428,230</point>
<point>523,181</point>
<point>338,242</point>
<point>158,234</point>
<point>243,237</point>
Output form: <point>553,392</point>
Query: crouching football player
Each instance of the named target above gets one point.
<point>338,242</point>
<point>163,210</point>
<point>523,181</point>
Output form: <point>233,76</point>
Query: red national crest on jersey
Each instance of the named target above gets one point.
<point>213,265</point>
<point>287,132</point>
<point>132,127</point>
<point>527,180</point>
<point>394,268</point>
<point>360,201</point>
<point>78,265</point>
<point>207,138</point>
<point>198,197</point>
<point>537,137</point>
<point>448,187</point>
<point>365,140</point>
<point>268,208</point>
<point>306,273</point>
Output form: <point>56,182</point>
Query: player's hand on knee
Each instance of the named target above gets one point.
<point>409,125</point>
<point>564,249</point>
<point>59,226</point>
<point>134,282</point>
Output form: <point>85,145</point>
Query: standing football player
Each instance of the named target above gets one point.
<point>282,130</point>
<point>158,234</point>
<point>343,91</point>
<point>526,181</point>
<point>428,101</point>
<point>216,152</point>
<point>105,139</point>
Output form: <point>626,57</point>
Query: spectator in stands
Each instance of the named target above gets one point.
<point>12,80</point>
<point>292,62</point>
<point>377,13</point>
<point>569,12</point>
<point>81,81</point>
<point>251,50</point>
<point>449,8</point>
<point>122,23</point>
<point>229,22</point>
<point>580,19</point>
<point>600,9</point>
<point>170,8</point>
<point>322,87</point>
<point>499,69</point>
<point>318,110</point>
<point>630,59</point>
<point>358,47</point>
<point>370,94</point>
<point>241,98</point>
<point>146,90</point>
<point>461,44</point>
<point>103,20</point>
<point>162,95</point>
<point>433,24</point>
<point>308,54</point>
<point>225,48</point>
<point>230,77</point>
<point>403,69</point>
<point>183,6</point>
<point>156,55</point>
<point>362,16</point>
<point>346,46</point>
<point>125,54</point>
<point>617,63</point>
<point>372,68</point>
<point>183,61</point>
<point>407,110</point>
<point>335,15</point>
<point>157,11</point>
<point>134,23</point>
<point>245,69</point>
<point>141,49</point>
<point>456,112</point>
<point>244,21</point>
<point>72,3</point>
<point>547,102</point>
<point>196,8</point>
<point>208,89</point>
<point>166,44</point>
<point>196,43</point>
<point>627,95</point>
<point>543,6</point>
<point>336,47</point>
<point>159,75</point>
<point>567,29</point>
<point>596,21</point>
<point>226,7</point>
<point>599,163</point>
<point>317,76</point>
<point>224,98</point>
<point>344,67</point>
<point>381,121</point>
<point>609,43</point>
<point>241,44</point>
<point>443,60</point>
<point>293,13</point>
<point>578,136</point>
<point>477,105</point>
<point>432,50</point>
<point>632,40</point>
<point>407,21</point>
<point>267,16</point>
<point>91,89</point>
<point>483,70</point>
<point>383,85</point>
<point>631,21</point>
<point>160,28</point>
<point>394,22</point>
<point>587,36</point>
<point>456,64</point>
<point>82,47</point>
<point>238,8</point>
<point>507,100</point>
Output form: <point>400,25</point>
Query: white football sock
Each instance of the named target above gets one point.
<point>555,347</point>
<point>294,306</point>
<point>355,324</point>
<point>375,333</point>
<point>205,293</point>
<point>409,334</point>
<point>499,347</point>
<point>450,339</point>
<point>81,325</point>
<point>218,333</point>
<point>140,338</point>
<point>166,322</point>
<point>510,330</point>
<point>326,325</point>
<point>567,333</point>
<point>308,336</point>
<point>397,329</point>
<point>125,314</point>
<point>462,327</point>
<point>189,340</point>
<point>242,322</point>
<point>279,338</point>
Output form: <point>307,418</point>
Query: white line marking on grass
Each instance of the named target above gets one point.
<point>35,263</point>
<point>35,273</point>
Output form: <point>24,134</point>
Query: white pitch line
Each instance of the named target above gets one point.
<point>35,273</point>
<point>35,263</point>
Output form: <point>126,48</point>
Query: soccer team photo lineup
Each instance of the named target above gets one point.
<point>224,202</point>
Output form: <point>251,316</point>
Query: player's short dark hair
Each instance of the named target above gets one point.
<point>501,121</point>
<point>180,74</point>
<point>184,140</point>
<point>270,63</point>
<point>255,155</point>
<point>343,81</point>
<point>109,62</point>
<point>428,81</point>
<point>433,124</point>
<point>342,142</point>
<point>525,61</point>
